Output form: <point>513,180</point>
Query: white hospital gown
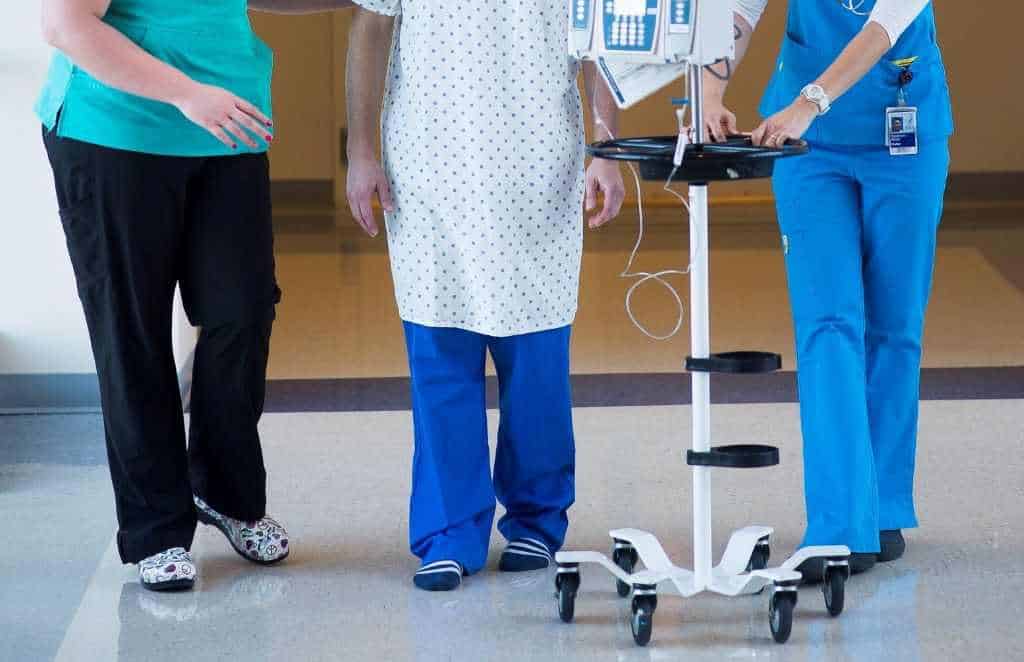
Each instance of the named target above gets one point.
<point>483,145</point>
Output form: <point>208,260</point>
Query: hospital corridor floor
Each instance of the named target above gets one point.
<point>338,449</point>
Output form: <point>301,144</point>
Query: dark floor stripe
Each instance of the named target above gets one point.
<point>622,390</point>
<point>79,393</point>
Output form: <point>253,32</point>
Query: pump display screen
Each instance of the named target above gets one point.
<point>630,7</point>
<point>630,25</point>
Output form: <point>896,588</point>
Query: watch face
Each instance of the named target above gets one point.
<point>816,94</point>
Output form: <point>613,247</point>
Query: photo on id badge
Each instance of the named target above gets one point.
<point>901,130</point>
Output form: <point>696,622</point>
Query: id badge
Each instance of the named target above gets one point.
<point>901,130</point>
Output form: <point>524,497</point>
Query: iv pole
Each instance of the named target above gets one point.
<point>700,343</point>
<point>742,569</point>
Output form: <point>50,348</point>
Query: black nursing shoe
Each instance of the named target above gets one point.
<point>813,570</point>
<point>892,545</point>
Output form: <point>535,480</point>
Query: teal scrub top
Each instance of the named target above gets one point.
<point>210,41</point>
<point>817,31</point>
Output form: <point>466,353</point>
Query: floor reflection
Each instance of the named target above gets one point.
<point>152,623</point>
<point>346,593</point>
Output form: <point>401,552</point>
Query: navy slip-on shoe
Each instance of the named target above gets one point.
<point>439,576</point>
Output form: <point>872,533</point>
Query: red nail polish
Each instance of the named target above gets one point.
<point>270,138</point>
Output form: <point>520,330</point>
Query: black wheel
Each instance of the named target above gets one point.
<point>625,557</point>
<point>834,588</point>
<point>759,557</point>
<point>780,615</point>
<point>642,621</point>
<point>566,586</point>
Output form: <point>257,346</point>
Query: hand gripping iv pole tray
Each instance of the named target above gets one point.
<point>687,35</point>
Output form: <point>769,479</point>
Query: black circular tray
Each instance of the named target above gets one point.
<point>740,456</point>
<point>736,363</point>
<point>736,158</point>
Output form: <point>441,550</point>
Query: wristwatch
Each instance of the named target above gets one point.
<point>816,94</point>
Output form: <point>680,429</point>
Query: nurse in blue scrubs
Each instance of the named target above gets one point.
<point>863,82</point>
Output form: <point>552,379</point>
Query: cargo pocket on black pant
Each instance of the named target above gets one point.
<point>83,230</point>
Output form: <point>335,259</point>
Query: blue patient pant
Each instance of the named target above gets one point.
<point>859,229</point>
<point>453,494</point>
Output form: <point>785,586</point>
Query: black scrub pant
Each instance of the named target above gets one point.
<point>137,225</point>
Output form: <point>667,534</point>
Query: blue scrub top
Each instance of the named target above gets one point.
<point>816,32</point>
<point>210,41</point>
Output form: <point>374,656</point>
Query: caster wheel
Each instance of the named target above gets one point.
<point>624,556</point>
<point>780,615</point>
<point>834,588</point>
<point>759,557</point>
<point>642,621</point>
<point>566,585</point>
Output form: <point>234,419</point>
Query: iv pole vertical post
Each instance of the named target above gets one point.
<point>700,344</point>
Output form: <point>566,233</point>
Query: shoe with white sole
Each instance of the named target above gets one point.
<point>171,570</point>
<point>264,541</point>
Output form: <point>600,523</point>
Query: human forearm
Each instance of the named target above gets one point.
<point>75,28</point>
<point>368,52</point>
<point>860,55</point>
<point>298,6</point>
<point>602,104</point>
<point>886,23</point>
<point>717,76</point>
<point>720,122</point>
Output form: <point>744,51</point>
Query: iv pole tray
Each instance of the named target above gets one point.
<point>736,363</point>
<point>740,456</point>
<point>736,158</point>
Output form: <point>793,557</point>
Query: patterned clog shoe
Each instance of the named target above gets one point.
<point>170,570</point>
<point>264,541</point>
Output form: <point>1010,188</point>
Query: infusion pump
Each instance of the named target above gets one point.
<point>651,31</point>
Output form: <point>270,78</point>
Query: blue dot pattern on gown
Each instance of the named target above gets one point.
<point>483,145</point>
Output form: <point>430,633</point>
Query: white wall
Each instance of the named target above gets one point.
<point>41,325</point>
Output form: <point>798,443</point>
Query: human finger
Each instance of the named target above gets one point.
<point>253,111</point>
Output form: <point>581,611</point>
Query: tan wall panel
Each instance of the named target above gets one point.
<point>981,41</point>
<point>303,94</point>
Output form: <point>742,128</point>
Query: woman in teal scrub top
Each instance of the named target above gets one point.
<point>863,82</point>
<point>156,119</point>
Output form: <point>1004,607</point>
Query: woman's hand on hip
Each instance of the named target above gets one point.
<point>605,177</point>
<point>366,178</point>
<point>224,115</point>
<point>790,123</point>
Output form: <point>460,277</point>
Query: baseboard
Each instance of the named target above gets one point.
<point>983,190</point>
<point>965,190</point>
<point>986,187</point>
<point>302,193</point>
<point>49,393</point>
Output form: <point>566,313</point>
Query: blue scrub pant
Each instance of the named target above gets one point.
<point>859,229</point>
<point>453,495</point>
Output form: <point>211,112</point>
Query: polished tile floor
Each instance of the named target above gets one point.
<point>346,594</point>
<point>338,318</point>
<point>340,481</point>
